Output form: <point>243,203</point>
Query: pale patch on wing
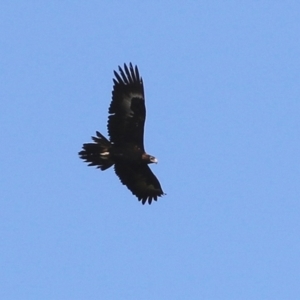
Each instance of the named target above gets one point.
<point>136,95</point>
<point>126,103</point>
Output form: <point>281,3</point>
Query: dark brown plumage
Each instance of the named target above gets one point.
<point>125,149</point>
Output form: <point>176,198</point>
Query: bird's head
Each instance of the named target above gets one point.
<point>149,159</point>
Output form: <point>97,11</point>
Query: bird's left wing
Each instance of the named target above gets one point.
<point>140,180</point>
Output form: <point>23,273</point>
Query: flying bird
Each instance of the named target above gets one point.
<point>125,148</point>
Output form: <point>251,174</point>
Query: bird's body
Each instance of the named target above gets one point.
<point>125,149</point>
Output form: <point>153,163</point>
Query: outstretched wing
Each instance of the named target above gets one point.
<point>127,109</point>
<point>140,180</point>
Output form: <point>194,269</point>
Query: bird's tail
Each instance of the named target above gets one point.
<point>98,153</point>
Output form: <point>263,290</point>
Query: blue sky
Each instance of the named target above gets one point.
<point>222,93</point>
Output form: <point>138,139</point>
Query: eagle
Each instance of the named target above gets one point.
<point>125,148</point>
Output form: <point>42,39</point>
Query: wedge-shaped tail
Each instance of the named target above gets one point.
<point>98,153</point>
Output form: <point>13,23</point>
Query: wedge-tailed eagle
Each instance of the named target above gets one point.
<point>125,149</point>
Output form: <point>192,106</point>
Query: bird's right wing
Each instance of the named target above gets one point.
<point>127,109</point>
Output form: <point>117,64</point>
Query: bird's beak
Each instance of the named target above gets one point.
<point>155,160</point>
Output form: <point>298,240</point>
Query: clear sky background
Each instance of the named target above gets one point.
<point>222,84</point>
